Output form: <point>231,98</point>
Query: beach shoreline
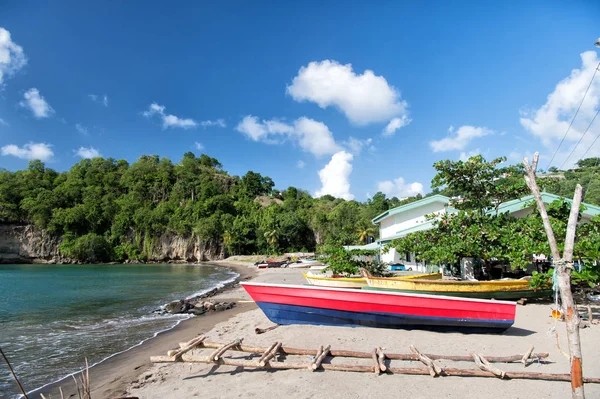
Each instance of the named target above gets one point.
<point>112,376</point>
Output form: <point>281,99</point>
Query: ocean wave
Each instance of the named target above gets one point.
<point>107,357</point>
<point>219,284</point>
<point>123,323</point>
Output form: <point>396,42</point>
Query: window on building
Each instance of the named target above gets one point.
<point>407,256</point>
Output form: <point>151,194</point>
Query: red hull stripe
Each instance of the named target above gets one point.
<point>381,302</point>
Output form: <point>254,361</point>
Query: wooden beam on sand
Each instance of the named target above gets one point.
<point>367,355</point>
<point>445,372</point>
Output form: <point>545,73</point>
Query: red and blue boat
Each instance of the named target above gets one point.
<point>299,304</point>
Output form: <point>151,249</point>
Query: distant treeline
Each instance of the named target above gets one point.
<point>109,208</point>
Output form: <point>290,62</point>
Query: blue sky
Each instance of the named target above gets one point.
<point>345,98</point>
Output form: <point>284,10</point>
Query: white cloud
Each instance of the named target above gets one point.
<point>550,122</point>
<point>37,104</point>
<point>199,146</point>
<point>312,136</point>
<point>335,176</point>
<point>12,57</point>
<point>396,124</point>
<point>99,99</point>
<point>399,188</point>
<point>81,129</point>
<point>3,122</point>
<point>356,145</point>
<point>264,130</point>
<point>364,98</point>
<point>300,164</point>
<point>87,153</point>
<point>464,156</point>
<point>41,151</point>
<point>458,139</point>
<point>209,123</point>
<point>168,120</point>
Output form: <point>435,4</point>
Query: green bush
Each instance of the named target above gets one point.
<point>127,251</point>
<point>92,248</point>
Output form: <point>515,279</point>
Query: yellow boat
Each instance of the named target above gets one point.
<point>355,282</point>
<point>500,289</point>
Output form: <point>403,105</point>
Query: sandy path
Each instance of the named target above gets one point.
<point>531,327</point>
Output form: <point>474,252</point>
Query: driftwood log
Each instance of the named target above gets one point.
<point>320,357</point>
<point>258,330</point>
<point>381,360</point>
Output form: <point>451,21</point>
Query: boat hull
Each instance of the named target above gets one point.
<point>285,304</point>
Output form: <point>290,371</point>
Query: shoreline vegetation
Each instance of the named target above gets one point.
<point>105,210</point>
<point>113,375</point>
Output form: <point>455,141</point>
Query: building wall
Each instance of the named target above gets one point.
<point>404,220</point>
<point>392,257</point>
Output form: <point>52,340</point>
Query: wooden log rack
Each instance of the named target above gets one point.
<point>267,360</point>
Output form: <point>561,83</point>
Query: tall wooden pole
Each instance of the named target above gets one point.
<point>563,268</point>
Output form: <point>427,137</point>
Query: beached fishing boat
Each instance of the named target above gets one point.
<point>297,304</point>
<point>324,280</point>
<point>304,264</point>
<point>270,264</point>
<point>499,289</point>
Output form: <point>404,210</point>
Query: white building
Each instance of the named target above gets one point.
<point>416,216</point>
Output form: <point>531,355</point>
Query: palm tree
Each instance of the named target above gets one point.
<point>272,238</point>
<point>364,232</point>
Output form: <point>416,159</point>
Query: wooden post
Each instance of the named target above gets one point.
<point>563,269</point>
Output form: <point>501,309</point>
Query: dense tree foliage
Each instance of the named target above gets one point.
<point>110,210</point>
<point>107,209</point>
<point>478,231</point>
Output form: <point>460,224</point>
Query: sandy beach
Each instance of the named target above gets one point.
<point>131,373</point>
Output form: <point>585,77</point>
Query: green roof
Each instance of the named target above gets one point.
<point>412,205</point>
<point>519,203</point>
<point>371,246</point>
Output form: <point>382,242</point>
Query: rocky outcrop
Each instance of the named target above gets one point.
<point>172,247</point>
<point>199,304</point>
<point>26,244</point>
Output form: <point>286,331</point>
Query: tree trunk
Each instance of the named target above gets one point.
<point>568,304</point>
<point>563,268</point>
<point>467,271</point>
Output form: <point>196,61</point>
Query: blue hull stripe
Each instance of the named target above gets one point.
<point>293,314</point>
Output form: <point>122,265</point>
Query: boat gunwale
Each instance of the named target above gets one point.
<point>368,292</point>
<point>348,279</point>
<point>455,282</point>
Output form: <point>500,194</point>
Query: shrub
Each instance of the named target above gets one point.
<point>92,248</point>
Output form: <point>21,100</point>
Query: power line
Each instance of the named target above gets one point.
<point>597,136</point>
<point>581,138</point>
<point>574,116</point>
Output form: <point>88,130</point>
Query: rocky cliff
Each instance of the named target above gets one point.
<point>172,247</point>
<point>26,244</point>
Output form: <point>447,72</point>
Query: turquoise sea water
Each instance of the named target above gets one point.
<point>53,317</point>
